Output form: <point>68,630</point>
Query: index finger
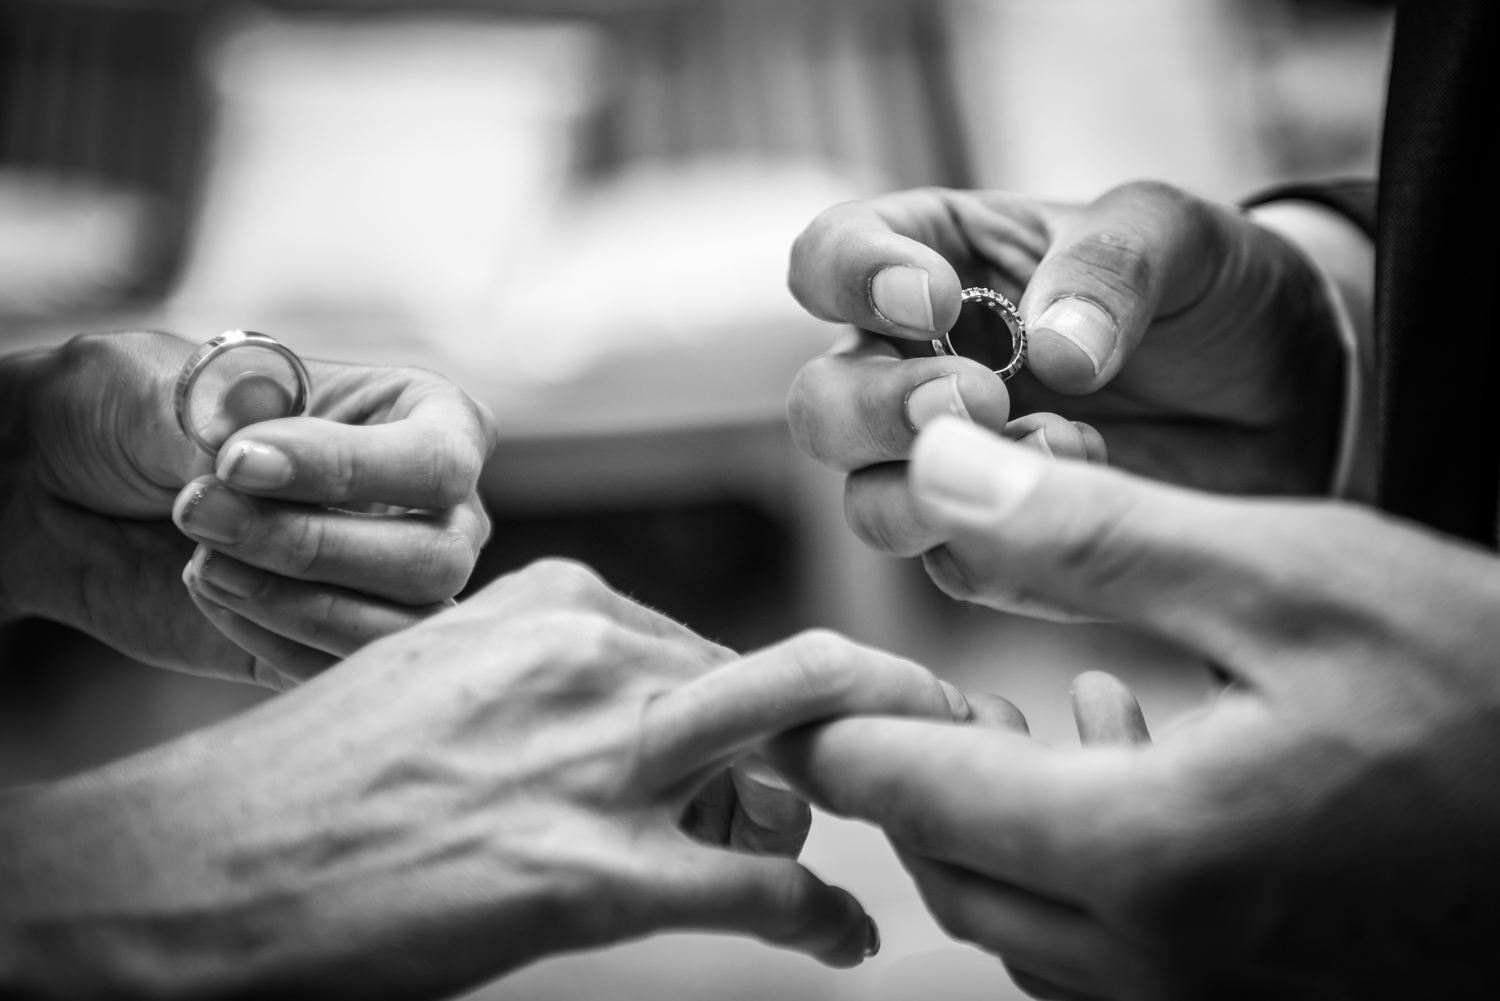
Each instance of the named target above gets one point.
<point>400,437</point>
<point>813,676</point>
<point>990,800</point>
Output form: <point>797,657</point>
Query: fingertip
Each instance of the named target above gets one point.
<point>1105,710</point>
<point>254,467</point>
<point>958,704</point>
<point>998,713</point>
<point>188,496</point>
<point>1095,450</point>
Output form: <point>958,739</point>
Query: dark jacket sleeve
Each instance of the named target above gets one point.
<point>1352,198</point>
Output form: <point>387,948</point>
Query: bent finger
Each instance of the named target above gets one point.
<point>810,677</point>
<point>1066,816</point>
<point>429,457</point>
<point>775,900</point>
<point>768,819</point>
<point>1055,436</point>
<point>851,265</point>
<point>1105,710</point>
<point>996,712</point>
<point>280,663</point>
<point>334,620</point>
<point>880,511</point>
<point>860,404</point>
<point>412,558</point>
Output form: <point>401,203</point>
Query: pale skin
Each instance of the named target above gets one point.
<point>96,471</point>
<point>1325,828</point>
<point>539,769</point>
<point>547,767</point>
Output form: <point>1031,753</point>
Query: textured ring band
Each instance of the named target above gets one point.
<point>207,352</point>
<point>1006,310</point>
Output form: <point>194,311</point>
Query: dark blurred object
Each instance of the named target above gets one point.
<point>69,703</point>
<point>726,569</point>
<point>102,117</point>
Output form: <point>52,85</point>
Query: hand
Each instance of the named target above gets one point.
<point>500,782</point>
<point>287,577</point>
<point>1326,829</point>
<point>1196,343</point>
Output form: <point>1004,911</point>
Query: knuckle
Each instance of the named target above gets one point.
<point>1118,260</point>
<point>454,468</point>
<point>308,546</point>
<point>319,616</point>
<point>341,472</point>
<point>563,581</point>
<point>825,659</point>
<point>1149,190</point>
<point>444,566</point>
<point>588,641</point>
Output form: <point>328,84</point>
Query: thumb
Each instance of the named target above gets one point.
<point>775,900</point>
<point>1112,267</point>
<point>1215,575</point>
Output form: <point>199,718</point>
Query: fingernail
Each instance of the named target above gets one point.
<point>957,704</point>
<point>1038,440</point>
<point>215,514</point>
<point>973,474</point>
<point>933,399</point>
<point>900,295</point>
<point>872,937</point>
<point>253,466</point>
<point>232,576</point>
<point>1087,326</point>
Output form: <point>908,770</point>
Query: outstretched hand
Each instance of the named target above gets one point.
<point>538,769</point>
<point>315,534</point>
<point>1325,828</point>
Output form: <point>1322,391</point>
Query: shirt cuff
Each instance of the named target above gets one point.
<point>1343,258</point>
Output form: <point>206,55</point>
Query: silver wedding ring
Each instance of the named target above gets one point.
<point>237,379</point>
<point>1006,310</point>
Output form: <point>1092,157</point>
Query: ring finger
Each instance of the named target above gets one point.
<point>412,558</point>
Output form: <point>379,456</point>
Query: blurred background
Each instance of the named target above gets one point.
<point>581,210</point>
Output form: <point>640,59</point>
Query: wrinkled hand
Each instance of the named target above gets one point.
<point>1196,343</point>
<point>505,780</point>
<point>1326,829</point>
<point>293,570</point>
